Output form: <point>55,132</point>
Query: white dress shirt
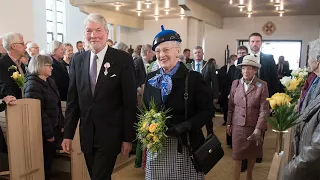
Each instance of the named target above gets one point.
<point>100,59</point>
<point>246,85</point>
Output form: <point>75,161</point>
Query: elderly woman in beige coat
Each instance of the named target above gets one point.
<point>246,115</point>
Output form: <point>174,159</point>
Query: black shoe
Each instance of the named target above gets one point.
<point>224,124</point>
<point>244,165</point>
<point>258,160</point>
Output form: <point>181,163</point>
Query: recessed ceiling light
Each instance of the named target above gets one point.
<point>117,5</point>
<point>139,12</point>
<point>167,10</point>
<point>148,3</point>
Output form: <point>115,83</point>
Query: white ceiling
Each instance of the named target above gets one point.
<point>147,13</point>
<point>263,7</point>
<point>222,7</point>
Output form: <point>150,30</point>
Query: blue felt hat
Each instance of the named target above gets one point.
<point>165,35</point>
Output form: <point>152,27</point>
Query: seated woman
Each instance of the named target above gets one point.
<point>247,109</point>
<point>167,86</point>
<point>40,86</point>
<point>306,164</point>
<point>8,100</point>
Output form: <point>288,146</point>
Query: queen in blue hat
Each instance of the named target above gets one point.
<point>167,87</point>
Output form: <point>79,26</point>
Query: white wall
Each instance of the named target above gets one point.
<point>305,28</point>
<point>152,28</point>
<point>74,25</point>
<point>25,17</point>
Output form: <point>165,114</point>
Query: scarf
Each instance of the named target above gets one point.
<point>163,81</point>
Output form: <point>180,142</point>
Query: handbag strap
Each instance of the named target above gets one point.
<point>186,97</point>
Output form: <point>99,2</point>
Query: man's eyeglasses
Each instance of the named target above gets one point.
<point>22,43</point>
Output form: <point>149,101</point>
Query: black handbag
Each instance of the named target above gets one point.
<point>210,152</point>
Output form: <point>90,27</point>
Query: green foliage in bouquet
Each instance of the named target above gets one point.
<point>151,127</point>
<point>284,117</point>
<point>17,77</point>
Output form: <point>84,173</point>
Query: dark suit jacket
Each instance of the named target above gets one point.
<point>225,82</point>
<point>7,85</point>
<point>208,72</point>
<point>200,107</point>
<point>285,70</point>
<point>268,72</point>
<point>140,72</point>
<point>107,116</point>
<point>61,78</point>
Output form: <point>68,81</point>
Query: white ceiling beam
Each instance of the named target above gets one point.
<point>197,11</point>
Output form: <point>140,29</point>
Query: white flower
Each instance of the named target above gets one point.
<point>106,67</point>
<point>296,72</point>
<point>285,81</point>
<point>303,74</point>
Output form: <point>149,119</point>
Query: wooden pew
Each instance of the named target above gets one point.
<point>24,140</point>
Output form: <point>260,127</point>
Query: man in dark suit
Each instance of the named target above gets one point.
<point>102,94</point>
<point>14,44</point>
<point>141,64</point>
<point>186,53</point>
<point>208,71</point>
<point>282,68</point>
<point>225,75</point>
<point>268,71</point>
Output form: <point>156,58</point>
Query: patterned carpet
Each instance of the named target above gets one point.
<point>224,169</point>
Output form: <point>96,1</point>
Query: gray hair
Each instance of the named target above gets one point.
<point>37,62</point>
<point>9,39</point>
<point>97,18</point>
<point>314,50</point>
<point>51,47</point>
<point>145,49</point>
<point>30,44</point>
<point>121,46</point>
<point>197,47</point>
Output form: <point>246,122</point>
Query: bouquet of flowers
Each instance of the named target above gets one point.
<point>151,127</point>
<point>293,85</point>
<point>17,77</point>
<point>284,113</point>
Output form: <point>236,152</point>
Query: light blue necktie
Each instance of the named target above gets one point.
<point>198,67</point>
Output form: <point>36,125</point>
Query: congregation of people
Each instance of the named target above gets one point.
<point>104,83</point>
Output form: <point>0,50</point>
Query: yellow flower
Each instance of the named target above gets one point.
<point>149,136</point>
<point>272,102</point>
<point>15,75</point>
<point>294,84</point>
<point>155,139</point>
<point>279,99</point>
<point>149,146</point>
<point>153,127</point>
<point>144,125</point>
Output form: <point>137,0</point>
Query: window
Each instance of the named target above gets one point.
<point>55,16</point>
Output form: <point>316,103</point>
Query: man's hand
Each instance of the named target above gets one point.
<point>51,139</point>
<point>67,145</point>
<point>126,149</point>
<point>10,100</point>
